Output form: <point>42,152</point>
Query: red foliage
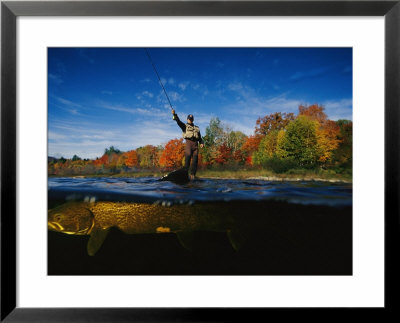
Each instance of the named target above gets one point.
<point>102,161</point>
<point>249,160</point>
<point>224,154</point>
<point>173,153</point>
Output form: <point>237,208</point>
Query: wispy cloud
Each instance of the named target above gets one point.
<point>89,139</point>
<point>67,102</point>
<point>83,53</point>
<point>55,136</point>
<point>55,79</point>
<point>147,94</point>
<point>183,85</point>
<point>66,105</point>
<point>144,111</point>
<point>298,76</point>
<point>342,109</point>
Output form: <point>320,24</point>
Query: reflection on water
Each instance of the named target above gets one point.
<point>142,226</point>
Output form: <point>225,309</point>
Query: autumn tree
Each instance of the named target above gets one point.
<point>327,133</point>
<point>173,153</point>
<point>148,156</point>
<point>273,122</point>
<point>102,161</point>
<point>131,158</point>
<point>250,146</point>
<point>314,112</point>
<point>223,155</point>
<point>343,154</point>
<point>328,140</point>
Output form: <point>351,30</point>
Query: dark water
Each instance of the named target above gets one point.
<point>286,228</point>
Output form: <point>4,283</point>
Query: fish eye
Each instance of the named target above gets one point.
<point>57,217</point>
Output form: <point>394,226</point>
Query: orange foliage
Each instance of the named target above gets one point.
<point>315,112</point>
<point>328,139</point>
<point>173,153</point>
<point>251,144</point>
<point>131,158</point>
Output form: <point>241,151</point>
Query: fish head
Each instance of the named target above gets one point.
<point>71,218</point>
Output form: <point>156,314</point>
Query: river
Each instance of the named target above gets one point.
<point>205,227</point>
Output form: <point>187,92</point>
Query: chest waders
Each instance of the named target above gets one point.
<point>191,151</point>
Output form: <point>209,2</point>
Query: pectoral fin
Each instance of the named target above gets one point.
<point>96,239</point>
<point>186,239</point>
<point>236,239</point>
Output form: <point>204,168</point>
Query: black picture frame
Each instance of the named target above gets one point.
<point>10,10</point>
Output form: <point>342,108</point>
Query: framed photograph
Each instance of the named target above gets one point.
<point>195,158</point>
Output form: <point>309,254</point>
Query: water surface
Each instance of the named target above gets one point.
<point>150,190</point>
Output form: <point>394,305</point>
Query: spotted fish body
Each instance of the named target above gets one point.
<point>95,219</point>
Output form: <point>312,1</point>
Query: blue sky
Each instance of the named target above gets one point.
<point>101,97</point>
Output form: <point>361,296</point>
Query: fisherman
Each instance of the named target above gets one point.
<point>191,133</point>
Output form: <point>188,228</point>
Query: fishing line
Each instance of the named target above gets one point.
<point>155,70</point>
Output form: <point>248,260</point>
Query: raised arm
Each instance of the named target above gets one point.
<point>179,122</point>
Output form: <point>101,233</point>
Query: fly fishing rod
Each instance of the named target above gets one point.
<point>155,70</point>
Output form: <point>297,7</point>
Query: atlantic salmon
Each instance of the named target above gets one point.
<point>96,218</point>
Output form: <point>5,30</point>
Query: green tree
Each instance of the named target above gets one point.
<point>235,140</point>
<point>212,139</point>
<point>111,150</point>
<point>299,142</point>
<point>266,148</point>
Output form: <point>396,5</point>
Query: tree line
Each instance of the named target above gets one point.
<point>281,142</point>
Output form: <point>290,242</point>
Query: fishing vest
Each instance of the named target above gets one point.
<point>192,132</point>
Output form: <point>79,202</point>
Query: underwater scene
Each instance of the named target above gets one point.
<point>143,226</point>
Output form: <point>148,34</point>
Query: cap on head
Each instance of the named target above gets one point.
<point>190,117</point>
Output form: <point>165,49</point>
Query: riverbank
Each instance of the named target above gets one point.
<point>250,174</point>
<point>270,176</point>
